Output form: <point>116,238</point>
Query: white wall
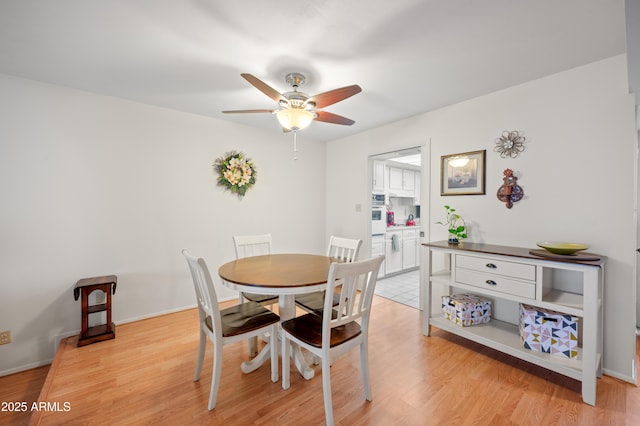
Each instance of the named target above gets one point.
<point>577,175</point>
<point>93,185</point>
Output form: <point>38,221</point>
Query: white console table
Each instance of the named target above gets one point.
<point>509,276</point>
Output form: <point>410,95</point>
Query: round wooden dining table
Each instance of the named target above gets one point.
<point>284,275</point>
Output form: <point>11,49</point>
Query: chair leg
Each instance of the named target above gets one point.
<point>201,350</point>
<point>326,389</point>
<point>252,342</point>
<point>215,375</point>
<point>364,369</point>
<point>316,360</point>
<point>273,341</point>
<point>253,346</point>
<point>286,357</point>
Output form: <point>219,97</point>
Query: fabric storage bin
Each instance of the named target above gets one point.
<point>548,331</point>
<point>466,309</point>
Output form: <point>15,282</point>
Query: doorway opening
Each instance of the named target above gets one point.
<point>396,223</point>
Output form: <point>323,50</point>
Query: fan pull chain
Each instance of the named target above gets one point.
<point>295,145</point>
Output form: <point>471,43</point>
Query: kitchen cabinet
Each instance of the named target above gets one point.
<point>406,253</point>
<point>510,276</point>
<point>378,249</point>
<point>416,190</point>
<point>410,240</point>
<point>378,177</point>
<point>393,253</point>
<point>395,179</point>
<point>408,181</point>
<point>402,182</point>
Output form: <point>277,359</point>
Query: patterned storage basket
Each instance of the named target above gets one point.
<point>549,331</point>
<point>466,309</point>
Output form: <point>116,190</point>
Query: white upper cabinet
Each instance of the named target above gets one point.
<point>395,179</point>
<point>408,180</point>
<point>378,177</point>
<point>417,188</point>
<point>401,182</point>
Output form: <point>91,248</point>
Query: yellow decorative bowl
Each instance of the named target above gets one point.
<point>562,248</point>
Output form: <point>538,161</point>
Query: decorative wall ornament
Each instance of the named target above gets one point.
<point>510,144</point>
<point>510,192</point>
<point>236,172</point>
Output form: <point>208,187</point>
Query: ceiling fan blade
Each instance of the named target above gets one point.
<point>328,117</point>
<point>248,111</point>
<point>264,87</point>
<point>332,96</point>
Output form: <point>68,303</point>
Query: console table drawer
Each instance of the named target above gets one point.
<point>516,270</point>
<point>496,283</point>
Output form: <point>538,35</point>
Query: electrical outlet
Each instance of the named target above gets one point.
<point>5,337</point>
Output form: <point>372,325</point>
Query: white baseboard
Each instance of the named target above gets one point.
<point>25,367</point>
<point>58,338</point>
<point>64,335</point>
<point>152,315</point>
<point>622,377</point>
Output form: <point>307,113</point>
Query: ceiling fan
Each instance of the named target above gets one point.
<point>297,109</point>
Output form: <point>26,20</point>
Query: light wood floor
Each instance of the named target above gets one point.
<point>21,387</point>
<point>144,376</point>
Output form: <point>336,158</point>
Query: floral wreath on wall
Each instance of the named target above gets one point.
<point>236,172</point>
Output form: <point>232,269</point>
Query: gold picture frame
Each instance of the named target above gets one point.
<point>463,174</point>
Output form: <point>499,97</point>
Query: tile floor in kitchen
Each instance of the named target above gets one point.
<point>402,288</point>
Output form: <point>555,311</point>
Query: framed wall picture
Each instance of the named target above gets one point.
<point>463,174</point>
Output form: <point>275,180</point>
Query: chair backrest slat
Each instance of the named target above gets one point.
<point>356,282</point>
<point>252,245</point>
<point>344,249</point>
<point>205,290</point>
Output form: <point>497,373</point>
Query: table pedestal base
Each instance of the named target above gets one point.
<point>285,303</point>
<point>296,353</point>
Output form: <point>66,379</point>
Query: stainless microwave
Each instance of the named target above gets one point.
<point>377,200</point>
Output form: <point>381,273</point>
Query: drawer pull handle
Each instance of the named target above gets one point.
<point>491,266</point>
<point>491,282</point>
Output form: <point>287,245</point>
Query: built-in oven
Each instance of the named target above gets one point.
<point>378,214</point>
<point>378,220</point>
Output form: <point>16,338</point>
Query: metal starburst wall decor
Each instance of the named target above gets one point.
<point>510,144</point>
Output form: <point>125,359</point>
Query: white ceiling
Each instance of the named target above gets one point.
<point>409,56</point>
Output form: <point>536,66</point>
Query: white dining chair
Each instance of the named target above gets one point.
<point>227,326</point>
<point>343,249</point>
<point>254,245</point>
<point>340,328</point>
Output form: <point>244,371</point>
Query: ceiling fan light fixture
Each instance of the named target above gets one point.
<point>296,110</point>
<point>295,118</point>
